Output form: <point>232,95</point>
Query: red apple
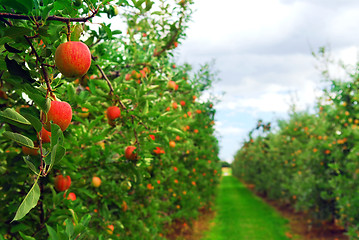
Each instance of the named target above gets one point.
<point>96,181</point>
<point>29,151</point>
<point>45,135</point>
<point>72,196</point>
<point>60,113</point>
<point>174,105</point>
<point>113,112</point>
<point>110,229</point>
<point>172,85</point>
<point>73,59</point>
<point>129,154</point>
<point>128,77</point>
<point>172,144</point>
<point>183,103</point>
<point>62,183</point>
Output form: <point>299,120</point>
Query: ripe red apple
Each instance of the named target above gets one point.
<point>45,135</point>
<point>129,154</point>
<point>172,85</point>
<point>113,112</point>
<point>110,229</point>
<point>29,151</point>
<point>183,103</point>
<point>128,77</point>
<point>73,59</point>
<point>96,181</point>
<point>60,113</point>
<point>172,144</point>
<point>62,183</point>
<point>72,196</point>
<point>174,105</point>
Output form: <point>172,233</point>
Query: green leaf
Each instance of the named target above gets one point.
<point>107,30</point>
<point>25,237</point>
<point>11,49</point>
<point>57,153</point>
<point>29,202</point>
<point>139,3</point>
<point>46,11</point>
<point>176,130</point>
<point>57,136</point>
<point>12,117</point>
<point>40,100</point>
<point>16,70</point>
<point>30,165</point>
<point>20,139</point>
<point>85,220</point>
<point>15,32</point>
<point>69,228</point>
<point>34,121</point>
<point>53,234</point>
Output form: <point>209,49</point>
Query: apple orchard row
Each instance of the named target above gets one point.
<point>115,144</point>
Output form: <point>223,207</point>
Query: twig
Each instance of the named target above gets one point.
<point>44,72</point>
<point>104,76</point>
<point>51,18</point>
<point>171,41</point>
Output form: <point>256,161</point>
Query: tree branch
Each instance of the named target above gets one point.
<point>171,41</point>
<point>51,18</point>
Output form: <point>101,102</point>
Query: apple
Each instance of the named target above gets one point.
<point>45,135</point>
<point>159,151</point>
<point>62,183</point>
<point>171,85</point>
<point>143,73</point>
<point>183,103</point>
<point>146,69</point>
<point>96,181</point>
<point>129,154</point>
<point>172,144</point>
<point>72,196</point>
<point>128,77</point>
<point>29,151</point>
<point>195,131</point>
<point>174,105</point>
<point>60,113</point>
<point>73,59</point>
<point>113,112</point>
<point>110,229</point>
<point>85,113</point>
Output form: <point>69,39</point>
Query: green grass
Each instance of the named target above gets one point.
<point>242,215</point>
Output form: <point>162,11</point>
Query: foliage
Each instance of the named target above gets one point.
<point>131,70</point>
<point>311,160</point>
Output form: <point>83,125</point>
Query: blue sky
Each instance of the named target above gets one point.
<point>262,50</point>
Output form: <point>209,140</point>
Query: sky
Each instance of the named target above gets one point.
<point>263,55</point>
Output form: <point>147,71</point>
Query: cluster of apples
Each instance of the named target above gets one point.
<point>137,75</point>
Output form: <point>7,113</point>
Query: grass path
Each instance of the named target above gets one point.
<point>242,215</point>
